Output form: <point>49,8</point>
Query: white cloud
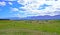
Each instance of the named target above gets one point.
<point>14,9</point>
<point>20,16</point>
<point>10,3</point>
<point>2,3</point>
<point>31,8</point>
<point>23,2</point>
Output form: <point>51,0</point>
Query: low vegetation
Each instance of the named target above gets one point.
<point>30,27</point>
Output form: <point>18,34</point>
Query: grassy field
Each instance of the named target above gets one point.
<point>30,27</point>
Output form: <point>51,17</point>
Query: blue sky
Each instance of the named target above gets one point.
<point>24,8</point>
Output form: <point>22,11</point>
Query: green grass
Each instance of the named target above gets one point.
<point>47,26</point>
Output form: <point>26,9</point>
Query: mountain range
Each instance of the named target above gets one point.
<point>36,18</point>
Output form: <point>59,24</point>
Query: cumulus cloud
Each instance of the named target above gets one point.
<point>10,3</point>
<point>37,8</point>
<point>2,3</point>
<point>20,16</point>
<point>14,9</point>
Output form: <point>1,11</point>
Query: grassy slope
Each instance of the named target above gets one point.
<point>52,26</point>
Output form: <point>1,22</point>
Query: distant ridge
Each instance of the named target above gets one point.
<point>37,18</point>
<point>42,17</point>
<point>4,19</point>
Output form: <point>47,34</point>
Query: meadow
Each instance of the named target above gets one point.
<point>29,27</point>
